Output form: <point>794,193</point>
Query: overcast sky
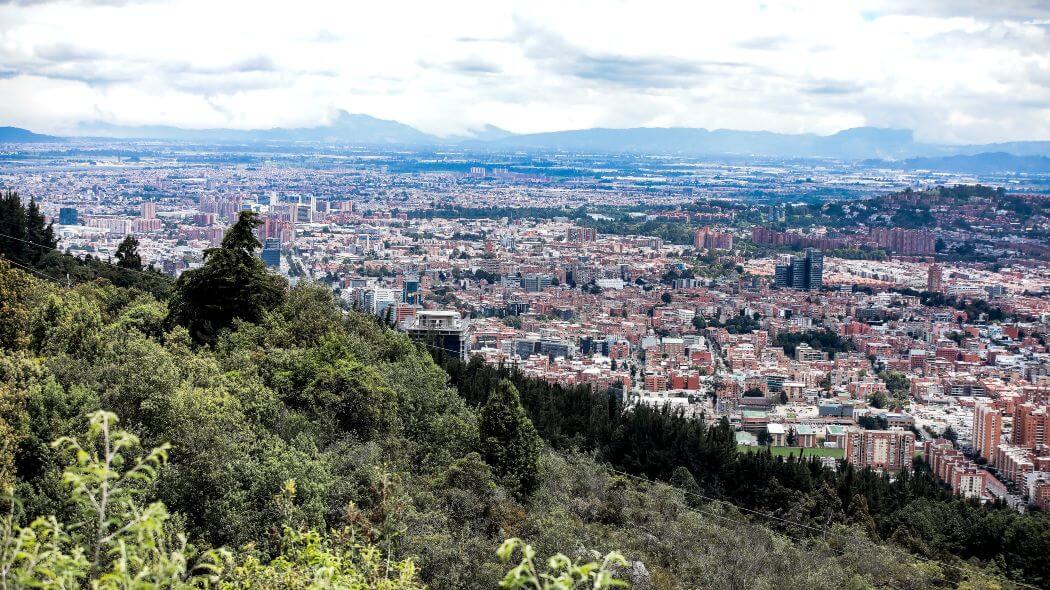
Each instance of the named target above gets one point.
<point>952,70</point>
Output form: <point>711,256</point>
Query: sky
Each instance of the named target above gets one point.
<point>955,71</point>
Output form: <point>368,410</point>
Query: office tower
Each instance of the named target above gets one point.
<point>935,279</point>
<point>987,426</point>
<point>68,216</point>
<point>271,252</point>
<point>882,450</point>
<point>410,291</point>
<point>814,269</point>
<point>782,276</point>
<point>149,210</point>
<point>798,273</point>
<point>535,283</point>
<point>805,273</point>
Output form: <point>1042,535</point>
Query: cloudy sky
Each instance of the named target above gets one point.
<point>952,70</point>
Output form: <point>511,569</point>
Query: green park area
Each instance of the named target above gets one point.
<point>785,451</point>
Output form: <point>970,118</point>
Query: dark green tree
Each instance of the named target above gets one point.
<point>509,442</point>
<point>128,254</point>
<point>950,434</point>
<point>233,284</point>
<point>39,233</point>
<point>12,226</point>
<point>25,236</point>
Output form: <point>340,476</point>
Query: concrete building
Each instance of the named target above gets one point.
<point>441,329</point>
<point>987,428</point>
<point>882,450</point>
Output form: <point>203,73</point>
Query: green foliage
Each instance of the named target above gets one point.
<point>655,442</point>
<point>562,573</point>
<point>128,254</point>
<point>27,242</point>
<point>509,441</point>
<point>24,235</point>
<point>232,285</point>
<point>116,540</point>
<point>823,340</point>
<point>282,399</point>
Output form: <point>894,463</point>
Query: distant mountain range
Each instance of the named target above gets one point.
<point>876,146</point>
<point>19,135</point>
<point>346,128</point>
<point>984,163</point>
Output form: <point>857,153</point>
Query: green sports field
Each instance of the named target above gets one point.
<point>785,451</point>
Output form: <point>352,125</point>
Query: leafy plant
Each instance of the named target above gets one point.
<point>561,574</point>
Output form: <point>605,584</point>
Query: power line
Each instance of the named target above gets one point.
<point>824,531</point>
<point>33,270</point>
<point>722,517</point>
<point>46,247</point>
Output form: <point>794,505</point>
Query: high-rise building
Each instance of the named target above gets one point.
<point>814,269</point>
<point>375,300</point>
<point>987,427</point>
<point>705,237</point>
<point>410,290</point>
<point>904,241</point>
<point>578,234</point>
<point>1031,424</point>
<point>782,276</point>
<point>935,279</point>
<point>149,210</point>
<point>798,273</point>
<point>882,450</point>
<point>68,216</point>
<point>442,329</point>
<point>535,283</point>
<point>271,252</point>
<point>805,273</point>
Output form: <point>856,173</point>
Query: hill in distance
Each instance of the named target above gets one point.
<point>862,143</point>
<point>19,135</point>
<point>346,128</point>
<point>983,163</point>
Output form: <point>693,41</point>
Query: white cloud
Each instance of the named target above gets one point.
<point>953,71</point>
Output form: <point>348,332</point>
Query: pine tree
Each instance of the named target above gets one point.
<point>39,233</point>
<point>509,441</point>
<point>233,284</point>
<point>128,254</point>
<point>12,227</point>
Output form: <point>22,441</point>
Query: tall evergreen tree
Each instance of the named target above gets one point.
<point>39,234</point>
<point>233,284</point>
<point>128,254</point>
<point>25,236</point>
<point>12,227</point>
<point>509,441</point>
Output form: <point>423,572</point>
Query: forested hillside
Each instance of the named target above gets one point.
<point>239,434</point>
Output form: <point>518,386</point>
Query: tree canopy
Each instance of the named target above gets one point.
<point>302,445</point>
<point>233,284</point>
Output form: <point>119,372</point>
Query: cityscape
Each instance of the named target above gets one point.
<point>389,344</point>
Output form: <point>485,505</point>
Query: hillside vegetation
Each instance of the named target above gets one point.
<point>280,442</point>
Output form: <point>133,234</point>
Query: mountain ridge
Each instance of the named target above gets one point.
<point>856,144</point>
